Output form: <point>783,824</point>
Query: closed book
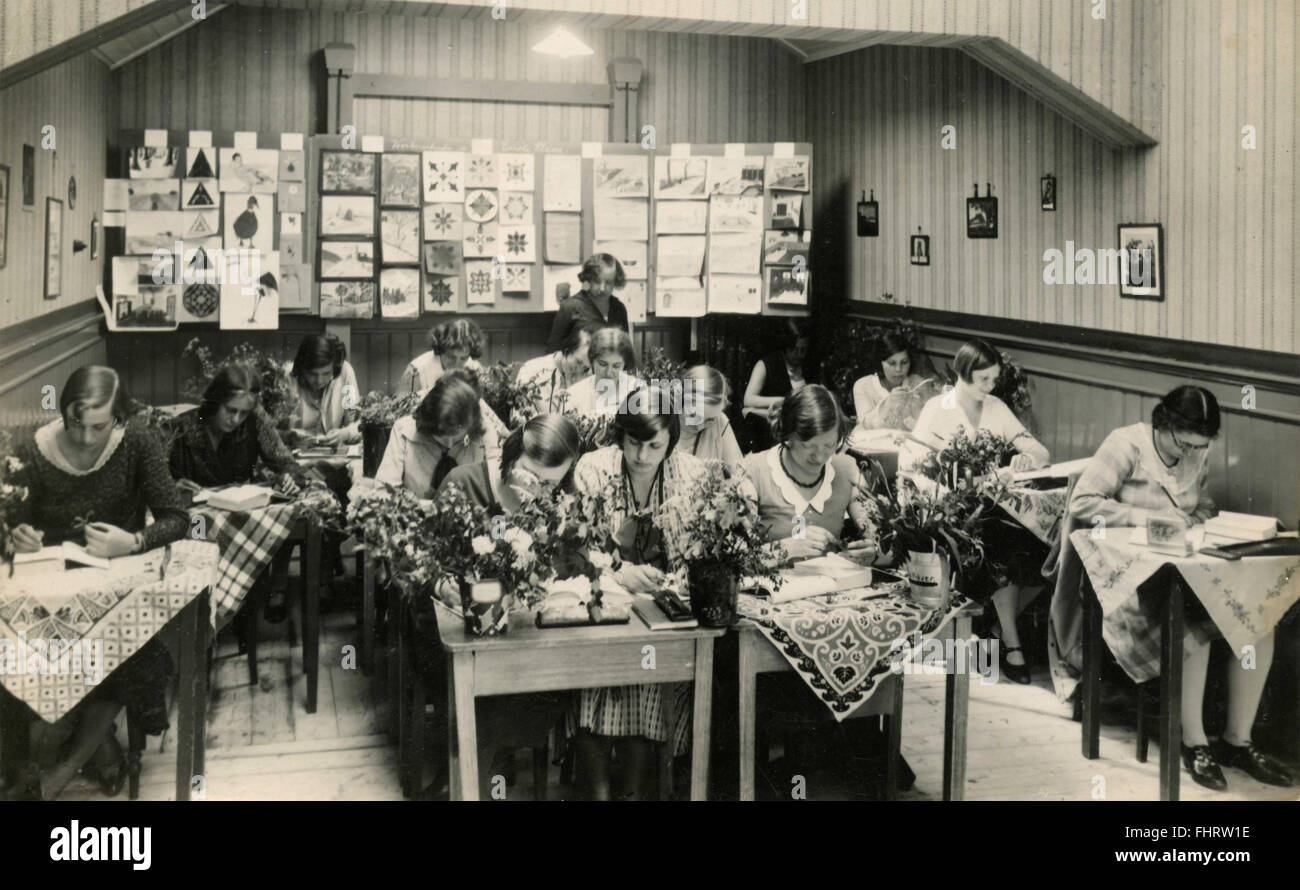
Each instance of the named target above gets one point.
<point>240,498</point>
<point>654,618</point>
<point>1241,527</point>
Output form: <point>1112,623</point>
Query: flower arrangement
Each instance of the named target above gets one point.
<point>964,459</point>
<point>380,410</point>
<point>1015,388</point>
<point>11,493</point>
<point>316,501</point>
<point>390,521</point>
<point>594,430</point>
<point>279,393</point>
<point>656,365</point>
<point>513,401</point>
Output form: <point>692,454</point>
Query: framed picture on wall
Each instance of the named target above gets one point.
<point>1141,265</point>
<point>918,250</point>
<point>53,248</point>
<point>1047,192</point>
<point>4,214</point>
<point>982,217</point>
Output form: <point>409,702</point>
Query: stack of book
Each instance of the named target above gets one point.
<point>1229,528</point>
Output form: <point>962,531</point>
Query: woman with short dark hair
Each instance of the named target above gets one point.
<point>889,400</point>
<point>1161,470</point>
<point>594,305</point>
<point>555,372</point>
<point>452,344</point>
<point>641,471</point>
<point>326,412</point>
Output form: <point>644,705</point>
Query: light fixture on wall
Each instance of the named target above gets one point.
<point>564,44</point>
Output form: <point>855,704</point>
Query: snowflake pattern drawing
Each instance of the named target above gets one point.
<point>440,293</point>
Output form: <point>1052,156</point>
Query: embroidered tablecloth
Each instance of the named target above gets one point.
<point>1245,598</point>
<point>99,618</point>
<point>1038,511</point>
<point>841,644</point>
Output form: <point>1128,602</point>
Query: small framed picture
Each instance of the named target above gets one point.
<point>53,248</point>
<point>348,172</point>
<point>982,217</point>
<point>1141,264</point>
<point>1047,192</point>
<point>919,250</point>
<point>869,218</point>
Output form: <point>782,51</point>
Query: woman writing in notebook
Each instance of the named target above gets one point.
<point>91,477</point>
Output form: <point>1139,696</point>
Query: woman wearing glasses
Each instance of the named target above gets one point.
<point>447,430</point>
<point>1160,470</point>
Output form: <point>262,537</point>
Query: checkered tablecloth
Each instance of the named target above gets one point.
<point>842,644</point>
<point>248,542</point>
<point>98,617</point>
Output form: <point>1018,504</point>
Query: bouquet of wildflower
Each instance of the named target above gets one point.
<point>11,493</point>
<point>1014,387</point>
<point>717,523</point>
<point>964,460</point>
<point>656,365</point>
<point>391,521</point>
<point>380,410</point>
<point>316,501</point>
<point>279,394</point>
<point>160,424</point>
<point>514,402</point>
<point>594,430</point>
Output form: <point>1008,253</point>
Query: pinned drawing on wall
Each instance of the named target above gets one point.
<point>441,293</point>
<point>622,219</point>
<point>347,299</point>
<point>292,197</point>
<point>399,180</point>
<point>555,278</point>
<point>868,217</point>
<point>399,293</point>
<point>782,248</point>
<point>249,221</point>
<point>631,256</point>
<point>515,172</point>
<point>481,172</point>
<point>199,303</point>
<point>481,205</point>
<point>518,280</point>
<point>151,308</point>
<point>195,193</point>
<point>518,243</point>
<point>680,177</point>
<point>679,256</point>
<point>347,259</point>
<point>442,258</point>
<point>481,240</point>
<point>290,248</point>
<point>633,297</point>
<point>153,162</point>
<point>561,182</point>
<point>253,306</point>
<point>200,163</point>
<point>735,213</point>
<point>517,209</point>
<point>563,234</point>
<point>787,211</point>
<point>443,221</point>
<point>290,223</point>
<point>735,176</point>
<point>148,230</point>
<point>1047,192</point>
<point>982,214</point>
<point>255,170</point>
<point>787,286</point>
<point>295,287</point>
<point>679,298</point>
<point>788,174</point>
<point>53,248</point>
<point>293,166</point>
<point>116,194</point>
<point>153,194</point>
<point>347,172</point>
<point>480,287</point>
<point>918,249</point>
<point>621,176</point>
<point>681,217</point>
<point>735,253</point>
<point>444,175</point>
<point>347,215</point>
<point>199,226</point>
<point>400,237</point>
<point>735,294</point>
<point>1141,248</point>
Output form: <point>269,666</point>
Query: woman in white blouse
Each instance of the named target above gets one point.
<point>888,402</point>
<point>613,364</point>
<point>555,372</point>
<point>971,406</point>
<point>326,413</point>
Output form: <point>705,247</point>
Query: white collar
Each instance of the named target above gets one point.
<point>791,492</point>
<point>49,448</point>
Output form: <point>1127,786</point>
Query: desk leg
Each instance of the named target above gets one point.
<point>955,714</point>
<point>747,712</point>
<point>1171,690</point>
<point>192,689</point>
<point>894,740</point>
<point>311,614</point>
<point>668,704</point>
<point>703,713</point>
<point>368,635</point>
<point>465,729</point>
<point>1089,688</point>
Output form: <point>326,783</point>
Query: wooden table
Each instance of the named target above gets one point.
<point>758,656</point>
<point>529,659</point>
<point>307,533</point>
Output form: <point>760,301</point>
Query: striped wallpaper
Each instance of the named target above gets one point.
<point>1228,213</point>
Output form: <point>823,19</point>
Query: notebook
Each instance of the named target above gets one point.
<point>654,618</point>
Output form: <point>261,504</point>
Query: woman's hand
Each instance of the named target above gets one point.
<point>298,438</point>
<point>331,439</point>
<point>816,542</point>
<point>862,552</point>
<point>27,539</point>
<point>287,486</point>
<point>640,578</point>
<point>109,541</point>
<point>1022,462</point>
<point>1169,514</point>
<point>189,486</point>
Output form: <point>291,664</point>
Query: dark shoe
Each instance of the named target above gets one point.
<point>277,608</point>
<point>1255,763</point>
<point>111,780</point>
<point>1204,768</point>
<point>1016,673</point>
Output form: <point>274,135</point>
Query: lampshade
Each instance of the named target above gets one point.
<point>564,44</point>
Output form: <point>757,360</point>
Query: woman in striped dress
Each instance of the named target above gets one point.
<point>642,470</point>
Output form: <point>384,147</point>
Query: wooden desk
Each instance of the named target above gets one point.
<point>758,656</point>
<point>307,533</point>
<point>528,659</point>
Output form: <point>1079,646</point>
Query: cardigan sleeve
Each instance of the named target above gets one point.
<point>170,521</point>
<point>1096,493</point>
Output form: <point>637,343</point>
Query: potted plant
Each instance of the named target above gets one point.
<point>964,461</point>
<point>722,539</point>
<point>378,414</point>
<point>514,402</point>
<point>11,495</point>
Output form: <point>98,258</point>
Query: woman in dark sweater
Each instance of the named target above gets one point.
<point>91,478</point>
<point>778,374</point>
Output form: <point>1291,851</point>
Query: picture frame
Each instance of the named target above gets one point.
<point>399,180</point>
<point>869,217</point>
<point>348,172</point>
<point>982,217</point>
<point>29,177</point>
<point>1141,267</point>
<point>53,248</point>
<point>918,249</point>
<point>1047,192</point>
<point>4,215</point>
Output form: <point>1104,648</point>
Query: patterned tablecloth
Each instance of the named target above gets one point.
<point>1245,598</point>
<point>1039,512</point>
<point>63,632</point>
<point>248,542</point>
<point>842,643</point>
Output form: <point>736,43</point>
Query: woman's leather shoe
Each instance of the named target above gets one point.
<point>1255,763</point>
<point>1204,768</point>
<point>1016,673</point>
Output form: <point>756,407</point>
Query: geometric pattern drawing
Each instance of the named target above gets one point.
<point>441,293</point>
<point>517,243</point>
<point>517,208</point>
<point>481,240</point>
<point>444,176</point>
<point>442,257</point>
<point>519,279</point>
<point>200,300</point>
<point>481,288</point>
<point>481,172</point>
<point>443,221</point>
<point>515,172</point>
<point>481,205</point>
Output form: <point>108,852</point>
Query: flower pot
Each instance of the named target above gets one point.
<point>486,608</point>
<point>374,441</point>
<point>929,578</point>
<point>713,594</point>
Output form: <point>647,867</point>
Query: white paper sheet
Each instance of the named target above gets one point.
<point>678,256</point>
<point>622,219</point>
<point>562,182</point>
<point>737,294</point>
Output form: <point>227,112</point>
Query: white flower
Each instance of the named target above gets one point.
<point>13,464</point>
<point>482,545</point>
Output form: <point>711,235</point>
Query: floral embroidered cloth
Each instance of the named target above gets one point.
<point>1039,512</point>
<point>841,644</point>
<point>1245,598</point>
<point>63,632</point>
